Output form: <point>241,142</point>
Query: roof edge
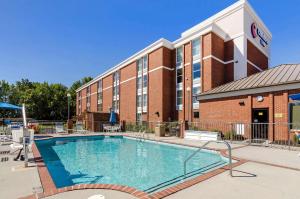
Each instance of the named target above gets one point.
<point>250,91</point>
<point>155,45</point>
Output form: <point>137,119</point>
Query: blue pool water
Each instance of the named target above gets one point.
<point>147,166</point>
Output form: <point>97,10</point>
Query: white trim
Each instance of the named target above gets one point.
<point>265,89</point>
<point>224,13</point>
<point>106,88</point>
<point>159,43</point>
<point>161,67</point>
<point>215,58</point>
<point>204,30</point>
<point>235,36</point>
<point>187,64</point>
<point>255,66</point>
<point>127,80</point>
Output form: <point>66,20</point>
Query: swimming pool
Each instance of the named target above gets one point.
<point>145,165</point>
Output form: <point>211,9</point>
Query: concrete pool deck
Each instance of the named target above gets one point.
<point>270,173</point>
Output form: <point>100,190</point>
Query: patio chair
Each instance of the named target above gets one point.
<point>5,136</point>
<point>80,129</point>
<point>59,127</point>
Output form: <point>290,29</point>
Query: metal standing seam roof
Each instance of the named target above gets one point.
<point>282,74</point>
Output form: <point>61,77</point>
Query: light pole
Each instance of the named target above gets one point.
<point>69,98</point>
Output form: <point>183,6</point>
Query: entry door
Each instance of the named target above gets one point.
<point>260,120</point>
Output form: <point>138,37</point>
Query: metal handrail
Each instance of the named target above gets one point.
<point>200,148</point>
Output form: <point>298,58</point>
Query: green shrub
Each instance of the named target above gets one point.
<point>229,135</point>
<point>295,139</point>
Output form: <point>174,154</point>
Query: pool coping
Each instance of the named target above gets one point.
<point>50,189</point>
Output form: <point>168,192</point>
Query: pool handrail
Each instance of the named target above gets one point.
<point>202,147</point>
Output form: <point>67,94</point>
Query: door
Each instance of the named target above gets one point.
<point>260,120</point>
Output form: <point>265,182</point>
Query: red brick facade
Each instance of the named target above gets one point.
<point>239,110</point>
<point>217,68</point>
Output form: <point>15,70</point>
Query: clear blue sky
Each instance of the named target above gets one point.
<point>61,41</point>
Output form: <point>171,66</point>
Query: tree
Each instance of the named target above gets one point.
<point>72,90</point>
<point>43,101</point>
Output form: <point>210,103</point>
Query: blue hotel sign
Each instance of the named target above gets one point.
<point>257,32</point>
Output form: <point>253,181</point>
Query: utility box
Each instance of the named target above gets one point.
<point>160,130</point>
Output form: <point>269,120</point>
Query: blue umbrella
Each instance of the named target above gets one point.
<point>295,96</point>
<point>4,105</point>
<point>112,118</point>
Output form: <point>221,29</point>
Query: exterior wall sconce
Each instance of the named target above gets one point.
<point>260,98</point>
<point>157,113</point>
<point>241,103</point>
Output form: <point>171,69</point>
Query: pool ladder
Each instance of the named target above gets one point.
<point>202,147</point>
<point>141,135</point>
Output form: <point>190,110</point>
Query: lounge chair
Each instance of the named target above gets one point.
<point>59,127</point>
<point>111,128</point>
<point>80,129</point>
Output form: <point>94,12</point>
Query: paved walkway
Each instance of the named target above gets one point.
<point>15,180</point>
<point>269,155</point>
<point>252,180</point>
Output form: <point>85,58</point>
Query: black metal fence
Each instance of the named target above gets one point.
<point>252,133</point>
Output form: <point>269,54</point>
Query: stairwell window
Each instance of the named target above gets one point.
<point>142,85</point>
<point>99,96</point>
<point>196,52</point>
<point>179,77</point>
<point>88,98</point>
<point>116,89</point>
<point>79,102</point>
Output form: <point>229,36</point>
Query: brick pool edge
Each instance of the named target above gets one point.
<point>50,189</point>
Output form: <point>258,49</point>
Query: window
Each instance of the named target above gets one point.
<point>145,63</point>
<point>179,97</point>
<point>79,102</point>
<point>179,56</point>
<point>196,51</point>
<point>145,99</point>
<point>295,116</point>
<point>139,101</point>
<point>196,114</point>
<point>179,75</point>
<point>140,65</point>
<point>139,83</point>
<point>142,84</point>
<point>100,96</point>
<point>145,81</point>
<point>196,48</point>
<point>88,98</point>
<point>196,71</point>
<point>116,84</point>
<point>196,91</point>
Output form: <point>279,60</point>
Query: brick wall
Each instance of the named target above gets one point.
<point>169,87</point>
<point>229,110</point>
<point>83,100</point>
<point>187,81</point>
<point>213,71</point>
<point>94,88</point>
<point>155,78</point>
<point>128,93</point>
<point>229,56</point>
<point>107,92</point>
<point>257,57</point>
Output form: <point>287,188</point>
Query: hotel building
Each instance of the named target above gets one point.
<point>161,82</point>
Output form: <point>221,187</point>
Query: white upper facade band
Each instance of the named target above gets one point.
<point>232,23</point>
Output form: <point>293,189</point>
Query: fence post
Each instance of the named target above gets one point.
<point>289,136</point>
<point>231,132</point>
